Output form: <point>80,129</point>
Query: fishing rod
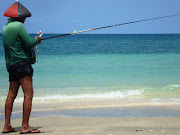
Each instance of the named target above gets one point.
<point>111,26</point>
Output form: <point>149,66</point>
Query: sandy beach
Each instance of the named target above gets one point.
<point>73,118</point>
<point>64,125</point>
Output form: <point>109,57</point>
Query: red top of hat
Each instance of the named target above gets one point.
<point>17,10</point>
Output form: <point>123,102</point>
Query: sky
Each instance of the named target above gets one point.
<point>65,16</point>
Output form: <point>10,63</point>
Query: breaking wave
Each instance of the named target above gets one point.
<point>106,95</point>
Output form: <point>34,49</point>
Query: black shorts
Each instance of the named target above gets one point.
<point>20,70</point>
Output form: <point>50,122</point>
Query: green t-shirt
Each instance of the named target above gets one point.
<point>17,42</point>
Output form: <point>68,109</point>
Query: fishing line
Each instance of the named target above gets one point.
<point>111,26</point>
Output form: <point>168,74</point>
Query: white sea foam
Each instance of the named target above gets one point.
<point>172,86</point>
<point>165,100</point>
<point>106,95</point>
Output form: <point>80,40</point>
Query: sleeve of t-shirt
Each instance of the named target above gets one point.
<point>27,41</point>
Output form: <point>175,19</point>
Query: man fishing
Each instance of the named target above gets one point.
<point>18,45</point>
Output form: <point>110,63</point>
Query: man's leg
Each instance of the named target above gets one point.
<point>26,84</point>
<point>13,90</point>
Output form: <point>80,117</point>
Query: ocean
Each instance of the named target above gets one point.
<point>128,69</point>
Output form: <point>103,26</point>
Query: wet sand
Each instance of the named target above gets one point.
<point>72,118</point>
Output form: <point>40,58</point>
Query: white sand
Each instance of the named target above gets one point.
<point>61,125</point>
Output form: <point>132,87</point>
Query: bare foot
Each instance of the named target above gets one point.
<point>29,130</point>
<point>9,130</point>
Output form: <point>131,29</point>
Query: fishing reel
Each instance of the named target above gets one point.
<point>34,51</point>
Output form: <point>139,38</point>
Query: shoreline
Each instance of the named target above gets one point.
<point>54,125</point>
<point>75,109</point>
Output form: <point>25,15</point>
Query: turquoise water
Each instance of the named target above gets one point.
<point>85,66</point>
